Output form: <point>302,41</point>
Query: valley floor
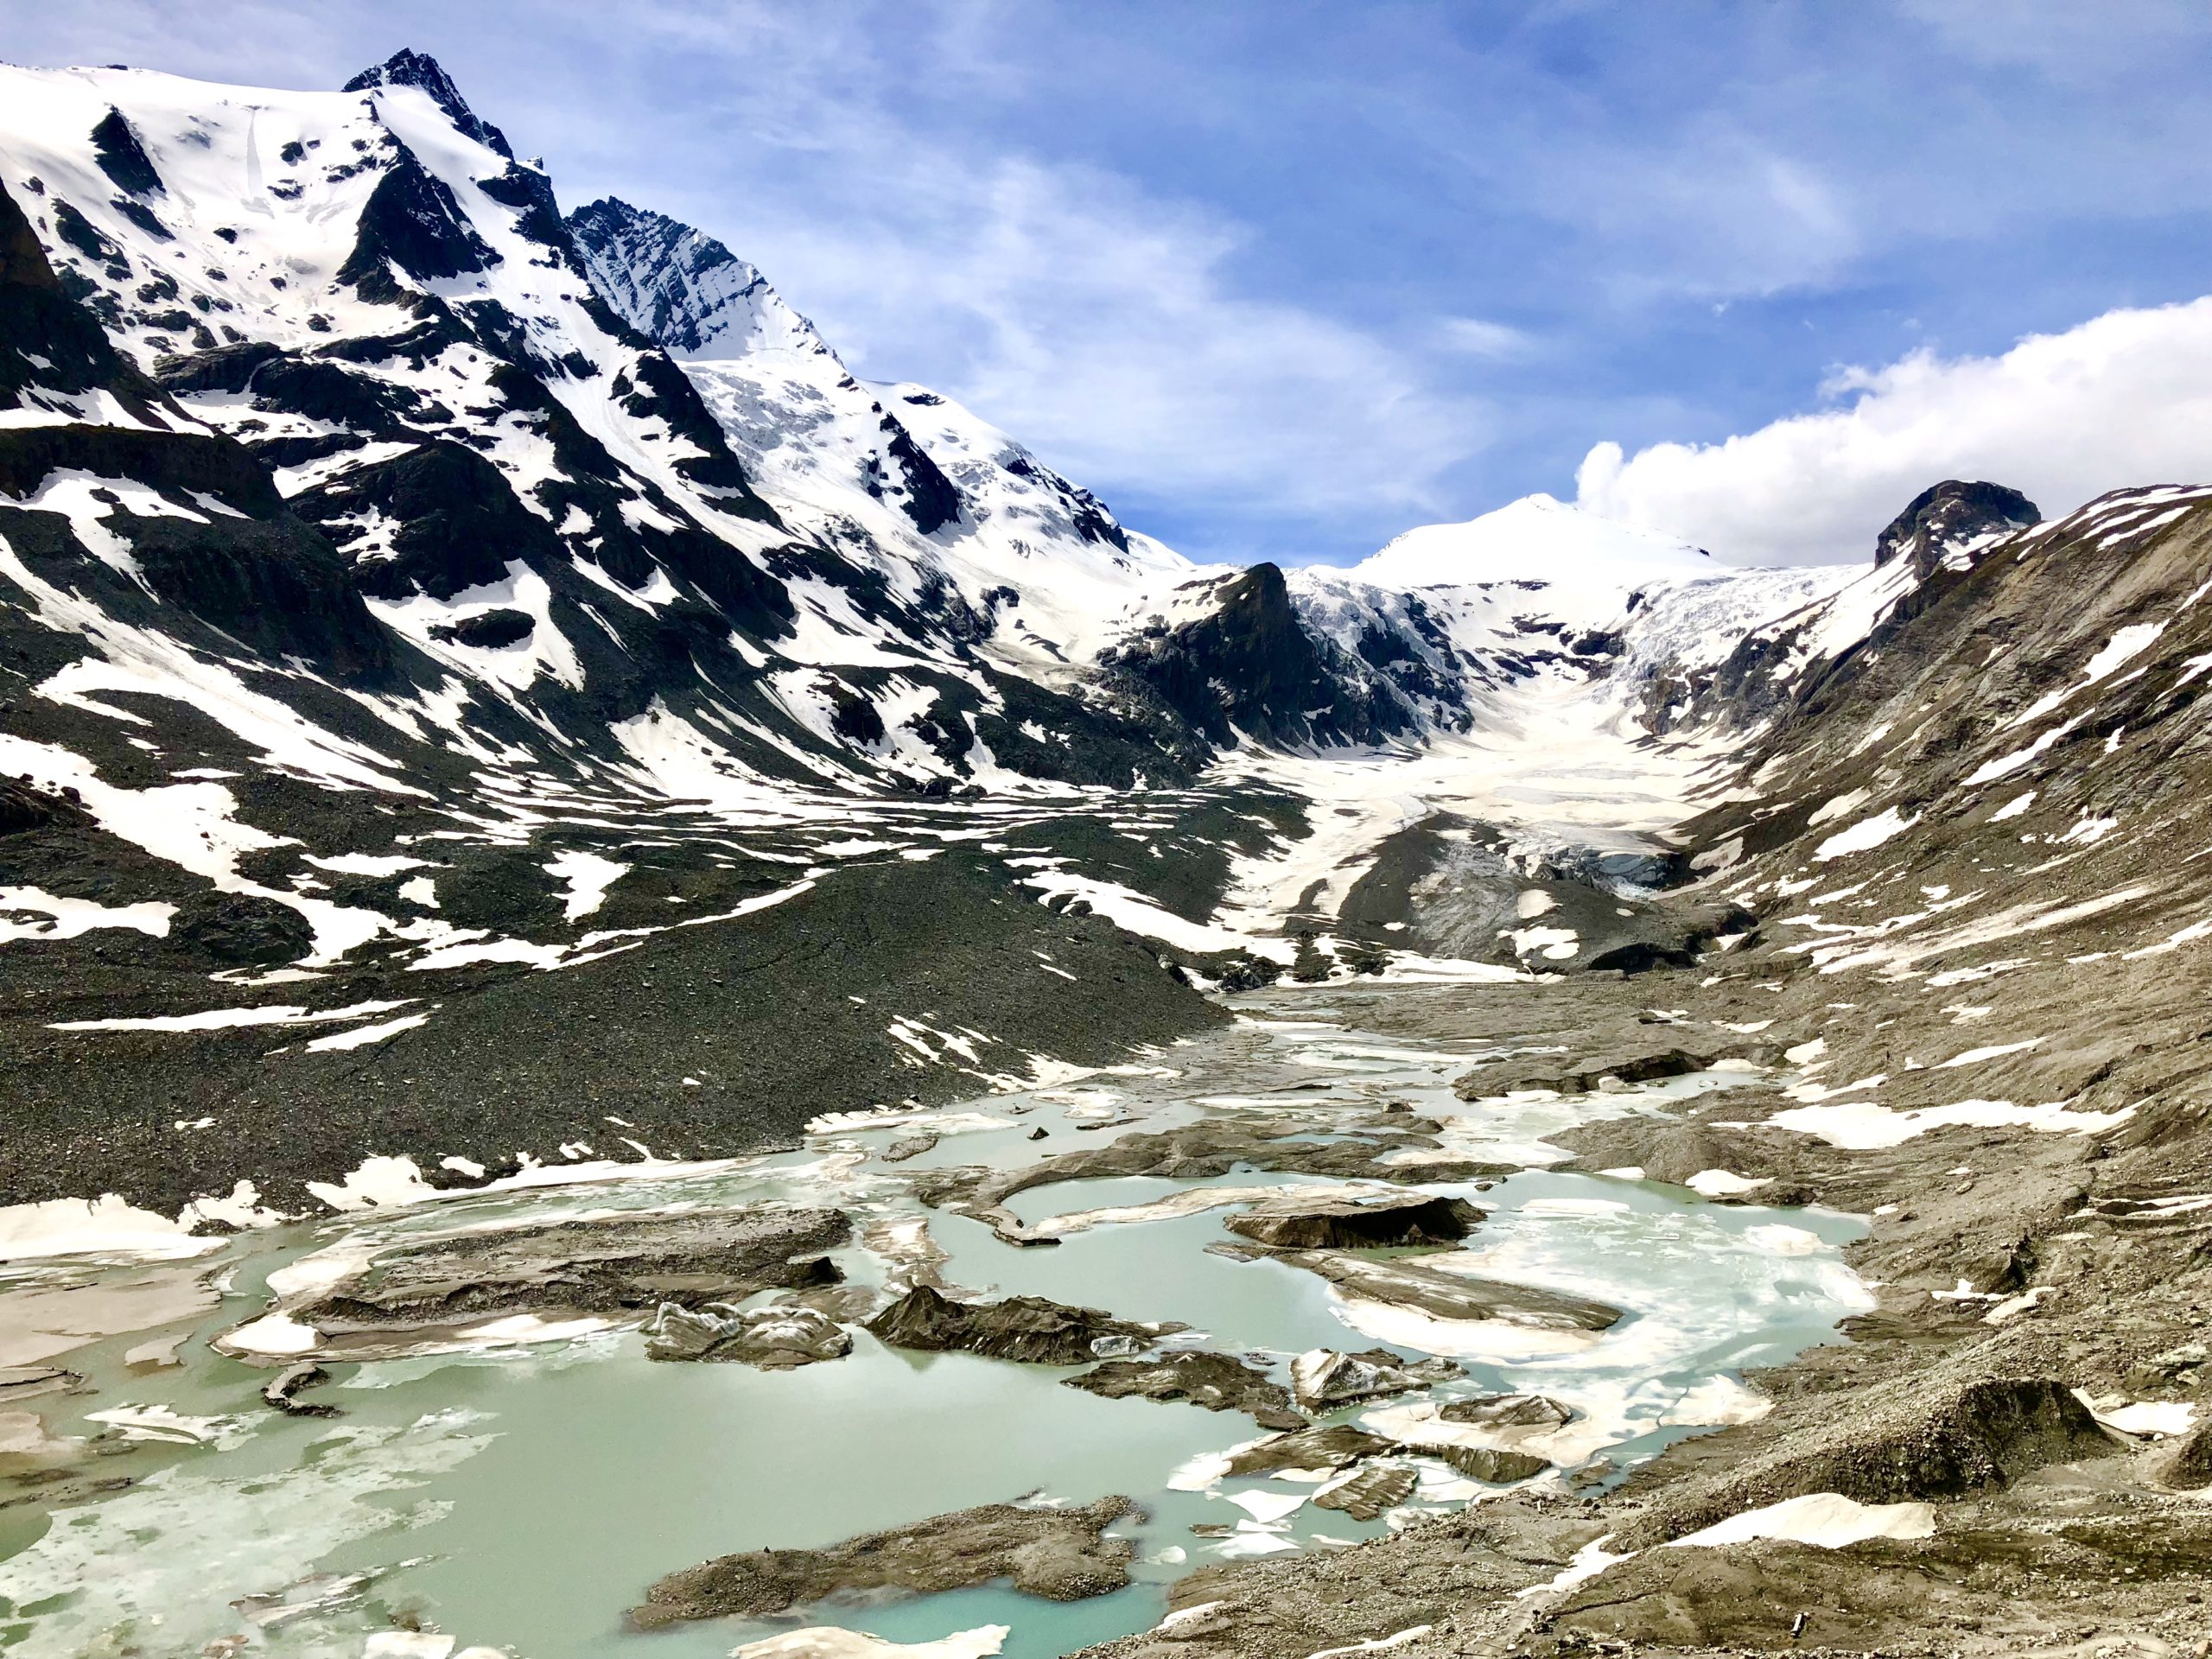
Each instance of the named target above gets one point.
<point>2002,1454</point>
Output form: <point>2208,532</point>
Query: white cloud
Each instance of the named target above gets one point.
<point>2125,399</point>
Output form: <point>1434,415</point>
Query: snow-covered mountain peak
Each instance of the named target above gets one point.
<point>406,67</point>
<point>1535,539</point>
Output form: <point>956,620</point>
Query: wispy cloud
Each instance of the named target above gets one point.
<point>1477,337</point>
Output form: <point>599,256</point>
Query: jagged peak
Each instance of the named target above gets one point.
<point>407,67</point>
<point>683,287</point>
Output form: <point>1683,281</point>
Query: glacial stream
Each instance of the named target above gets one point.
<point>519,1497</point>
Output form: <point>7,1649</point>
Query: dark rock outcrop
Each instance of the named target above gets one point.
<point>411,223</point>
<point>407,67</point>
<point>1249,665</point>
<point>238,929</point>
<point>487,630</point>
<point>283,1390</point>
<point>1216,1381</point>
<point>49,342</point>
<point>1946,516</point>
<point>458,521</point>
<point>1030,1329</point>
<point>117,147</point>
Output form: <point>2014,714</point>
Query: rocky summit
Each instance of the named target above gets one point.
<point>537,807</point>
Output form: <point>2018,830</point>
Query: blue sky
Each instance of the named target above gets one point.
<point>1281,279</point>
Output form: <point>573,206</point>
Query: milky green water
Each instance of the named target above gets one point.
<point>521,1499</point>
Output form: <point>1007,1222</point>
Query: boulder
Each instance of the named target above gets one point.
<point>1323,1379</point>
<point>779,1338</point>
<point>1059,1555</point>
<point>1030,1329</point>
<point>1365,1495</point>
<point>1338,1220</point>
<point>1216,1381</point>
<point>2189,1466</point>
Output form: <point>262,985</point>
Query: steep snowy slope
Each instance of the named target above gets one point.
<point>895,476</point>
<point>388,310</point>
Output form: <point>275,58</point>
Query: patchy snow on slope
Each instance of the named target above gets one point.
<point>68,918</point>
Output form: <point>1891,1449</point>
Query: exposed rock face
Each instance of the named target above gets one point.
<point>123,158</point>
<point>1942,519</point>
<point>1218,1381</point>
<point>779,1338</point>
<point>692,295</point>
<point>406,67</point>
<point>1322,1379</point>
<point>1453,1295</point>
<point>1336,1221</point>
<point>1248,665</point>
<point>1030,1329</point>
<point>1059,1555</point>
